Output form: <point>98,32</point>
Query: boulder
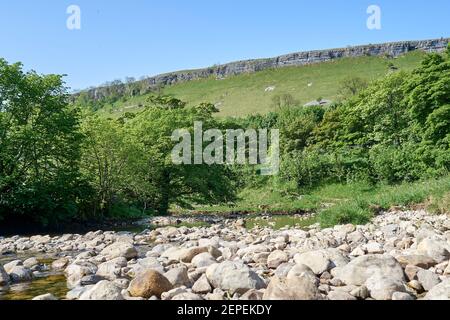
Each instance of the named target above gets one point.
<point>202,285</point>
<point>300,270</point>
<point>233,276</point>
<point>435,248</point>
<point>104,290</point>
<point>11,265</point>
<point>112,269</point>
<point>60,264</point>
<point>148,284</point>
<point>428,279</point>
<point>276,258</point>
<point>120,249</point>
<point>31,262</point>
<point>383,286</point>
<point>76,271</point>
<point>202,260</point>
<point>440,292</point>
<point>178,277</point>
<point>295,288</point>
<point>318,261</point>
<point>416,260</point>
<point>20,274</point>
<point>362,268</point>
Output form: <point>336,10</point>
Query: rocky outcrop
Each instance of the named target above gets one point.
<point>392,49</point>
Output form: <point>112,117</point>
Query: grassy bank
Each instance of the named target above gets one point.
<point>340,203</point>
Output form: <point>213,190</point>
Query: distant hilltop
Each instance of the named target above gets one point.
<point>392,49</point>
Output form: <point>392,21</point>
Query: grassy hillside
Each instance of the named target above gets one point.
<point>245,94</point>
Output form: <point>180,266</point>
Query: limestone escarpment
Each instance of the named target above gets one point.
<point>393,49</point>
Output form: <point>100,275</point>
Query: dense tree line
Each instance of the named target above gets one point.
<point>59,160</point>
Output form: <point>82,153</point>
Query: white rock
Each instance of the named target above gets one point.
<point>440,292</point>
<point>362,268</point>
<point>318,261</point>
<point>233,276</point>
<point>178,277</point>
<point>382,287</point>
<point>202,260</point>
<point>76,271</point>
<point>46,297</point>
<point>111,269</point>
<point>295,288</point>
<point>434,248</point>
<point>428,279</point>
<point>276,258</point>
<point>104,290</point>
<point>120,249</point>
<point>202,285</point>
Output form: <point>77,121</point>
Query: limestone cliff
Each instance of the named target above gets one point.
<point>393,49</point>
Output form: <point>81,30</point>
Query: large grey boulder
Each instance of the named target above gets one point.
<point>120,249</point>
<point>362,268</point>
<point>233,276</point>
<point>294,288</point>
<point>434,247</point>
<point>383,286</point>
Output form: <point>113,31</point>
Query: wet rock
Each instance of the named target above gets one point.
<point>4,277</point>
<point>76,271</point>
<point>20,274</point>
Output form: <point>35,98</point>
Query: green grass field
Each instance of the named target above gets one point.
<point>245,94</point>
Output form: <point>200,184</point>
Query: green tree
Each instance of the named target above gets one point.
<point>39,147</point>
<point>182,185</point>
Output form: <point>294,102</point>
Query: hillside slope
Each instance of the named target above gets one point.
<point>253,93</point>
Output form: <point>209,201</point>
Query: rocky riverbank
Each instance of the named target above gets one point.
<point>401,255</point>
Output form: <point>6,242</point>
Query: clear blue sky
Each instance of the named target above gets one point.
<point>147,37</point>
